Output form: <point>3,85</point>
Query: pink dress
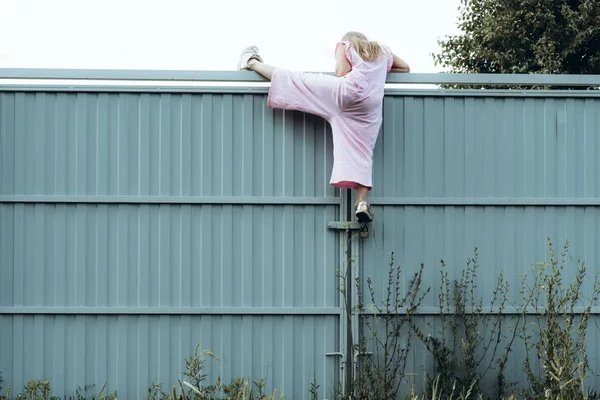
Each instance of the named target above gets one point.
<point>351,104</point>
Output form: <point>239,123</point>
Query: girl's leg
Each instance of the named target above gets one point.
<point>265,70</point>
<point>312,93</point>
<point>364,212</point>
<point>362,192</point>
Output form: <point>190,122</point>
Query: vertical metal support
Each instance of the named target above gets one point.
<point>354,337</point>
<point>349,304</point>
<point>345,333</point>
<point>350,231</point>
<point>359,324</point>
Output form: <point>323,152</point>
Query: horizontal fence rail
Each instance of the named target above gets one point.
<point>249,76</point>
<point>165,88</point>
<point>337,311</point>
<point>241,200</point>
<point>52,310</point>
<point>299,201</point>
<point>485,311</point>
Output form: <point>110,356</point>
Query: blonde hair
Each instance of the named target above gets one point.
<point>366,49</point>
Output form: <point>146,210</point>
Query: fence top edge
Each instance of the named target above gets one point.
<point>252,77</point>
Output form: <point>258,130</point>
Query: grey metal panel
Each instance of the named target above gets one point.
<point>132,352</point>
<point>144,223</point>
<point>167,256</point>
<point>161,145</point>
<point>216,190</point>
<point>498,173</point>
<point>508,239</point>
<point>488,147</point>
<point>248,76</point>
<point>420,361</point>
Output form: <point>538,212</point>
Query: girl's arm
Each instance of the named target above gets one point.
<point>342,66</point>
<point>399,65</point>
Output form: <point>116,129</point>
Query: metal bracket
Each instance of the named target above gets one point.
<point>344,225</point>
<point>338,354</point>
<point>350,226</point>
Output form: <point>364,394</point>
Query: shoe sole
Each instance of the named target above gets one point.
<point>363,217</point>
<point>248,50</point>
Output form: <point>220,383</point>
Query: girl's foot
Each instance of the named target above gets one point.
<point>364,212</point>
<point>249,53</point>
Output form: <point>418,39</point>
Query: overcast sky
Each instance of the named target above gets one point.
<point>209,35</point>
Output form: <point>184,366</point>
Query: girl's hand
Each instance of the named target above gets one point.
<point>399,65</point>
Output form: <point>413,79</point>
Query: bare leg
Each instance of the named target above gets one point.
<point>265,70</point>
<point>362,192</point>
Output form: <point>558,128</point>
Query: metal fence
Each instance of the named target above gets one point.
<point>140,219</point>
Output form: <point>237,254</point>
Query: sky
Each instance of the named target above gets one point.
<point>209,35</point>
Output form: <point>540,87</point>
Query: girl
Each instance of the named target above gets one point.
<point>352,103</point>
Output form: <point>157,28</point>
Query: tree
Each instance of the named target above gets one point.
<point>524,36</point>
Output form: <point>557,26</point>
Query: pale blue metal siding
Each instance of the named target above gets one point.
<point>498,173</point>
<point>512,147</point>
<point>132,351</point>
<point>136,225</point>
<point>502,173</point>
<point>160,145</point>
<point>136,222</point>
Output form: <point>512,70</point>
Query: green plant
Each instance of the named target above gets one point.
<point>472,340</point>
<point>560,323</point>
<point>238,389</point>
<point>37,390</point>
<point>314,389</point>
<point>41,390</point>
<point>438,393</point>
<point>388,333</point>
<point>524,37</point>
<point>194,367</point>
<point>6,395</point>
<point>155,390</point>
<point>466,345</point>
<point>259,386</point>
<point>195,388</point>
<point>81,394</point>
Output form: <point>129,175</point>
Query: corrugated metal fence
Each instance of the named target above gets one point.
<point>139,221</point>
<point>500,172</point>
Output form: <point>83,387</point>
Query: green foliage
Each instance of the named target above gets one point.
<point>468,341</point>
<point>6,395</point>
<point>557,340</point>
<point>524,36</point>
<point>384,349</point>
<point>551,322</point>
<point>82,394</point>
<point>194,371</point>
<point>195,387</point>
<point>314,389</point>
<point>467,344</point>
<point>472,342</point>
<point>37,390</point>
<point>437,393</point>
<point>41,390</point>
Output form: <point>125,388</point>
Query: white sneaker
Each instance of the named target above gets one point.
<point>364,212</point>
<point>249,53</point>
